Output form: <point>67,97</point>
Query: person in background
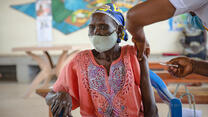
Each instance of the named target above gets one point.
<point>108,80</point>
<point>194,41</point>
<point>153,11</point>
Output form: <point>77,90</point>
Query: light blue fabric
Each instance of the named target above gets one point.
<point>195,21</point>
<point>162,90</point>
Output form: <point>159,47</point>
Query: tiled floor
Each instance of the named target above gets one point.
<point>13,105</point>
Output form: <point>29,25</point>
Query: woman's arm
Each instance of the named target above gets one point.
<point>150,108</point>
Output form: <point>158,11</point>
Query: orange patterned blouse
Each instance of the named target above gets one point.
<point>100,95</point>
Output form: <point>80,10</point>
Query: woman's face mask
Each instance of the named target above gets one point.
<point>195,21</point>
<point>103,43</point>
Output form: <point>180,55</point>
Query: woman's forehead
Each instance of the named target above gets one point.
<point>101,18</point>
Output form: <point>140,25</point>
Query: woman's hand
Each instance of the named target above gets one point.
<point>59,102</point>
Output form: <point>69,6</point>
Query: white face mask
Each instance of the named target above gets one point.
<point>104,43</point>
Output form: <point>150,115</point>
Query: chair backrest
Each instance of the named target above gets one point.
<point>174,103</point>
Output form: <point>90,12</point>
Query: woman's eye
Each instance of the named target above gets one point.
<point>91,27</point>
<point>103,27</point>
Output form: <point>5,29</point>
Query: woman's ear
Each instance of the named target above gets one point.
<point>119,31</point>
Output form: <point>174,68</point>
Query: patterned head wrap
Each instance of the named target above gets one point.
<point>115,13</point>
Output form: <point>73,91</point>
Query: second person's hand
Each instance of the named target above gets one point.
<point>185,66</point>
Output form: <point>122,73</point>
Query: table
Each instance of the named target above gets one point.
<point>48,68</point>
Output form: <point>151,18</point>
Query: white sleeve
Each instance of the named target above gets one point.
<point>183,6</point>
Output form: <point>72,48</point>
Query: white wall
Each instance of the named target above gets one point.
<point>18,29</point>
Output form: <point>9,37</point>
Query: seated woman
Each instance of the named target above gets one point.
<point>107,81</point>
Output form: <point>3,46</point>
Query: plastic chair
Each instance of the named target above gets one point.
<point>174,103</point>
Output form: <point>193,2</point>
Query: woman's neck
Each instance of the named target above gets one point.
<point>109,55</point>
